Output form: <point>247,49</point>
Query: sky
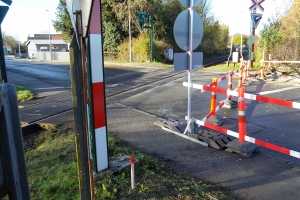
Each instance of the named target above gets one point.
<point>28,17</point>
<point>236,13</point>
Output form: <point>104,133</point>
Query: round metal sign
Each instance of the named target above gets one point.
<point>186,3</point>
<point>182,30</point>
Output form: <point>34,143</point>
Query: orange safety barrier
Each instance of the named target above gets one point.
<point>242,117</point>
<point>213,101</point>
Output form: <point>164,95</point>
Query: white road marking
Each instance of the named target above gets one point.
<point>54,75</point>
<point>279,90</point>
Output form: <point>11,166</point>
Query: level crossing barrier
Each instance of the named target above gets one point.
<point>241,135</point>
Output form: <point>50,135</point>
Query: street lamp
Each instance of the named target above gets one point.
<point>49,35</point>
<point>20,54</point>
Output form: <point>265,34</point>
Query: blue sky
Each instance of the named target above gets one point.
<point>30,16</point>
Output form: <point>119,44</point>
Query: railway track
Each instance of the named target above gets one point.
<point>114,93</point>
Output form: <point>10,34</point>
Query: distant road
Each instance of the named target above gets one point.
<point>41,78</point>
<point>48,78</point>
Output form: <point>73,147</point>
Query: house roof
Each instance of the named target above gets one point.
<point>46,42</point>
<point>57,37</point>
<point>42,36</point>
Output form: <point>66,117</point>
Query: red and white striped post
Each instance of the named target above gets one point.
<point>253,43</point>
<point>255,4</point>
<point>213,102</point>
<point>132,171</point>
<point>241,116</point>
<point>97,111</point>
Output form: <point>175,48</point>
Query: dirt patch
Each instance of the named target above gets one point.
<point>39,135</point>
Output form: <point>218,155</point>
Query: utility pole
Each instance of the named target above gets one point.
<point>129,30</point>
<point>49,36</point>
<point>20,54</point>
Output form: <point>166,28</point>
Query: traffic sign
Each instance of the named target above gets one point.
<point>186,3</point>
<point>3,11</point>
<point>181,61</point>
<point>141,18</point>
<point>85,6</point>
<point>256,17</point>
<point>8,2</point>
<point>256,4</point>
<point>182,30</point>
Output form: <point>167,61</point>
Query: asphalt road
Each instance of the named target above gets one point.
<point>131,116</point>
<point>42,79</point>
<point>49,78</point>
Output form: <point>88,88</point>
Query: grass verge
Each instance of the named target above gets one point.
<point>256,66</point>
<point>23,94</point>
<point>52,172</point>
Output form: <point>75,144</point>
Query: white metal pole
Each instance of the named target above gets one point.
<point>132,172</point>
<point>191,126</point>
<point>49,35</point>
<point>230,50</point>
<point>20,54</point>
<point>129,30</point>
<point>241,50</point>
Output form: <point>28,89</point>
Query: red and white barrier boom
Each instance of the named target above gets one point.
<point>242,117</point>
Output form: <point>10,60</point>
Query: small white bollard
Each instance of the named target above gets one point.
<point>132,171</point>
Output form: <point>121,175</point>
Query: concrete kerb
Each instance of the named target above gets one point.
<point>48,61</point>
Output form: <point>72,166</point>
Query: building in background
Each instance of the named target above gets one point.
<point>38,47</point>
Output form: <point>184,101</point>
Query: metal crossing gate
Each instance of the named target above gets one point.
<point>13,172</point>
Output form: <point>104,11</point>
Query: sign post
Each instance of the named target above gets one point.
<point>90,91</point>
<point>188,34</point>
<point>255,19</point>
<point>142,18</point>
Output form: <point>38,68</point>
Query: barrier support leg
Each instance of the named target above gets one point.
<point>240,146</point>
<point>214,119</point>
<point>230,103</point>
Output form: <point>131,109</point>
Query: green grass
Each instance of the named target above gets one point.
<point>256,66</point>
<point>154,180</point>
<point>52,168</point>
<point>52,173</point>
<point>23,94</point>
